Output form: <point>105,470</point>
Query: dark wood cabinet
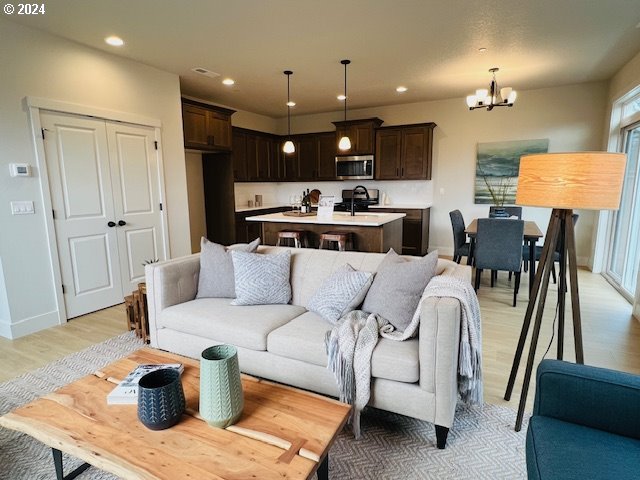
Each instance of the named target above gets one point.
<point>326,156</point>
<point>388,153</point>
<point>290,166</point>
<point>415,230</point>
<point>307,150</point>
<point>206,127</point>
<point>360,132</point>
<point>239,156</point>
<point>276,168</point>
<point>246,232</point>
<point>255,156</point>
<point>404,152</point>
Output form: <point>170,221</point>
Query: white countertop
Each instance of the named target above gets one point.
<point>361,219</point>
<point>241,208</point>
<point>408,206</point>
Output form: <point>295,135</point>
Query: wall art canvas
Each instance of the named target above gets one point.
<point>497,167</point>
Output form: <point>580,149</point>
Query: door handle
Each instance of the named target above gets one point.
<point>121,223</point>
<point>111,224</point>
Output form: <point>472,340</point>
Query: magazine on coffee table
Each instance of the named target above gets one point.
<point>126,392</point>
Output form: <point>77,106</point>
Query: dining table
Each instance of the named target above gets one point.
<point>532,234</point>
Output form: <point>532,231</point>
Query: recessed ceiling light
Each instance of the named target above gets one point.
<point>401,89</point>
<point>482,49</point>
<point>114,41</point>
<point>341,97</point>
<point>228,81</point>
<point>291,104</point>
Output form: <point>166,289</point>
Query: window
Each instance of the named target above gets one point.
<point>624,257</point>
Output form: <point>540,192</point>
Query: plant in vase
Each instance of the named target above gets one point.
<point>499,193</point>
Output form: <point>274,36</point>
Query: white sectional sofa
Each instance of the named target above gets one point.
<point>285,343</point>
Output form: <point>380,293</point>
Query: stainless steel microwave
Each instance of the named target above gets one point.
<point>354,167</point>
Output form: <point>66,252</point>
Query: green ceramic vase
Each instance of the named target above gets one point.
<point>221,398</point>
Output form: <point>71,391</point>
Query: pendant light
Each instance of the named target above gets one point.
<point>345,142</point>
<point>288,146</point>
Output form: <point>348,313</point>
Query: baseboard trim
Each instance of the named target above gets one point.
<point>5,329</point>
<point>30,325</point>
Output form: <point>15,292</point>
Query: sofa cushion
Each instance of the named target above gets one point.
<point>262,279</point>
<point>216,268</point>
<point>557,449</point>
<point>217,319</point>
<point>398,286</point>
<point>340,293</point>
<point>303,339</point>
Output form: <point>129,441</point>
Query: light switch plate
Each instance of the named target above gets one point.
<point>23,207</point>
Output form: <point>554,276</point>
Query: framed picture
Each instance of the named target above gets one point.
<point>497,167</point>
<point>325,207</point>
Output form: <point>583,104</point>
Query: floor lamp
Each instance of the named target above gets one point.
<point>561,181</point>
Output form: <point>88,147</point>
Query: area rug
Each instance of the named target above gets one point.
<point>482,443</point>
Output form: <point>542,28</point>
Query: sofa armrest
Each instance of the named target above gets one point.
<point>594,397</point>
<point>439,345</point>
<point>438,350</point>
<point>170,283</point>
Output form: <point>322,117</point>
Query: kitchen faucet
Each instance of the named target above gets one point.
<point>362,189</point>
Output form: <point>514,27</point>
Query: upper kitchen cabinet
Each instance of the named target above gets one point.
<point>403,152</point>
<point>307,150</point>
<point>206,127</point>
<point>326,156</point>
<point>255,156</point>
<point>360,132</point>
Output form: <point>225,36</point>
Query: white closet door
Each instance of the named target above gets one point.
<point>77,157</point>
<point>136,193</point>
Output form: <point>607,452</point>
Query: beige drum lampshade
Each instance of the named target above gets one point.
<point>586,180</point>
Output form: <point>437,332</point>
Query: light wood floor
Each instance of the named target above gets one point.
<point>611,335</point>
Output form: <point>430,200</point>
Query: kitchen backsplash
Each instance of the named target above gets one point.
<point>397,192</point>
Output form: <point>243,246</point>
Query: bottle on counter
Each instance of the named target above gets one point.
<point>306,202</point>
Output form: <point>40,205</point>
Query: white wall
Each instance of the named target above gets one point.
<point>37,64</point>
<point>571,117</point>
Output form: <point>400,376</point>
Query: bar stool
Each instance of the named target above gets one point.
<point>299,238</point>
<point>344,240</point>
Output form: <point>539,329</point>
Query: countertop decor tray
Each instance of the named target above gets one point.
<point>299,214</point>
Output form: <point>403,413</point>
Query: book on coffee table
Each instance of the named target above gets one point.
<point>126,392</point>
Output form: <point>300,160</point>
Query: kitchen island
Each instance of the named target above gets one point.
<point>372,231</point>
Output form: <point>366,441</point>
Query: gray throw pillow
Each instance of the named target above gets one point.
<point>340,293</point>
<point>262,279</point>
<point>398,286</point>
<point>216,268</point>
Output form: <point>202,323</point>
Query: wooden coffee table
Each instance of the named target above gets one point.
<point>283,433</point>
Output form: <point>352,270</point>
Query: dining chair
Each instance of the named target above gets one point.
<point>512,211</point>
<point>556,253</point>
<point>461,248</point>
<point>499,247</point>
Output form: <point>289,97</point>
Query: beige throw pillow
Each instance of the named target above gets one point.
<point>217,278</point>
<point>342,292</point>
<point>398,286</point>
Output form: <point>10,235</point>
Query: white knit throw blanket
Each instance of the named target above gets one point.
<point>470,352</point>
<point>351,341</point>
<point>350,344</point>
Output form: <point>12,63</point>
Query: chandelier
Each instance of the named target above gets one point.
<point>492,97</point>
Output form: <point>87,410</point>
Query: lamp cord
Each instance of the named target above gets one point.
<point>553,329</point>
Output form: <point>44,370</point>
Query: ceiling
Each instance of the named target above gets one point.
<point>429,46</point>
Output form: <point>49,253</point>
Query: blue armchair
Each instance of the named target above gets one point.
<point>585,424</point>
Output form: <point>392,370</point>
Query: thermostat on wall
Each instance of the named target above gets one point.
<point>20,169</point>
